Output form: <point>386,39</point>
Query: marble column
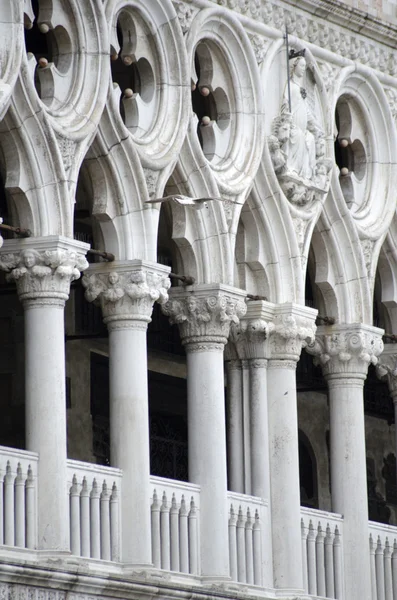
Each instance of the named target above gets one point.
<point>345,351</point>
<point>43,269</point>
<point>204,314</point>
<point>234,420</point>
<point>293,327</point>
<point>127,291</point>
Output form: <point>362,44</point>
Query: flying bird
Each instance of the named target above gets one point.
<point>184,200</point>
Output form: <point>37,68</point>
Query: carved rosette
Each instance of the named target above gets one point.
<point>293,329</point>
<point>126,291</point>
<point>43,270</point>
<point>205,314</point>
<point>386,369</point>
<point>347,351</point>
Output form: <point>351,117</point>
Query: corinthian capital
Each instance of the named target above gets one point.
<point>250,335</point>
<point>126,291</point>
<point>43,268</point>
<point>293,329</point>
<point>347,349</point>
<point>386,369</point>
<point>205,312</point>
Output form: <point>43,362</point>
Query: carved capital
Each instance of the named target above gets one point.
<point>204,314</point>
<point>386,369</point>
<point>346,350</point>
<point>126,291</point>
<point>293,329</point>
<point>43,268</point>
<point>250,335</point>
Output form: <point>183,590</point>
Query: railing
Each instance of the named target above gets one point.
<point>247,535</point>
<point>18,497</point>
<point>383,557</point>
<point>322,553</point>
<point>175,510</point>
<point>94,493</point>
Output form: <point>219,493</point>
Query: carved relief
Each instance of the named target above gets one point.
<point>347,351</point>
<point>185,14</point>
<point>297,146</point>
<point>205,319</point>
<point>67,148</point>
<point>260,46</point>
<point>127,295</point>
<point>43,274</point>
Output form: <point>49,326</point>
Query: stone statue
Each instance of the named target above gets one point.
<point>297,144</point>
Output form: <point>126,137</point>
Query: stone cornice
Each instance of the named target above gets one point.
<point>204,314</point>
<point>346,350</point>
<point>127,290</point>
<point>329,24</point>
<point>43,268</point>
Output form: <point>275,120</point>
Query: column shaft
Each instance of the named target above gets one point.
<point>235,435</point>
<point>129,435</point>
<point>284,474</point>
<point>349,479</point>
<point>260,475</point>
<point>46,418</point>
<point>207,454</point>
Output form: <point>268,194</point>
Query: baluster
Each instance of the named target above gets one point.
<point>388,575</point>
<point>30,510</point>
<point>115,524</point>
<point>155,513</point>
<point>105,522</point>
<point>95,545</point>
<point>74,503</point>
<point>183,538</point>
<point>338,565</point>
<point>240,531</point>
<point>174,532</point>
<point>1,507</point>
<point>320,561</point>
<point>19,508</point>
<point>249,550</point>
<point>165,533</point>
<point>257,540</point>
<point>193,539</point>
<point>394,569</point>
<point>380,570</point>
<point>329,563</point>
<point>233,544</point>
<point>9,510</point>
<point>85,519</point>
<point>311,560</point>
<point>372,566</point>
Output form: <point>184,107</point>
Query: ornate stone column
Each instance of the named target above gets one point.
<point>126,292</point>
<point>43,269</point>
<point>345,351</point>
<point>204,314</point>
<point>293,327</point>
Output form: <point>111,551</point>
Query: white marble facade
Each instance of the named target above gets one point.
<point>106,108</point>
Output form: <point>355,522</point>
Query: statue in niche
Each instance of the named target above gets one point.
<point>297,143</point>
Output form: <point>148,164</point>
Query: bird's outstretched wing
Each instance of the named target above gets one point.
<point>184,200</point>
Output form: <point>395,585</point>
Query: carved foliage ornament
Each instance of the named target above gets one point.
<point>297,143</point>
<point>43,274</point>
<point>346,351</point>
<point>127,295</point>
<point>289,334</point>
<point>205,318</point>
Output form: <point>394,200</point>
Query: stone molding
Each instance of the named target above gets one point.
<point>126,291</point>
<point>293,329</point>
<point>334,32</point>
<point>346,350</point>
<point>43,268</point>
<point>386,369</point>
<point>204,314</point>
